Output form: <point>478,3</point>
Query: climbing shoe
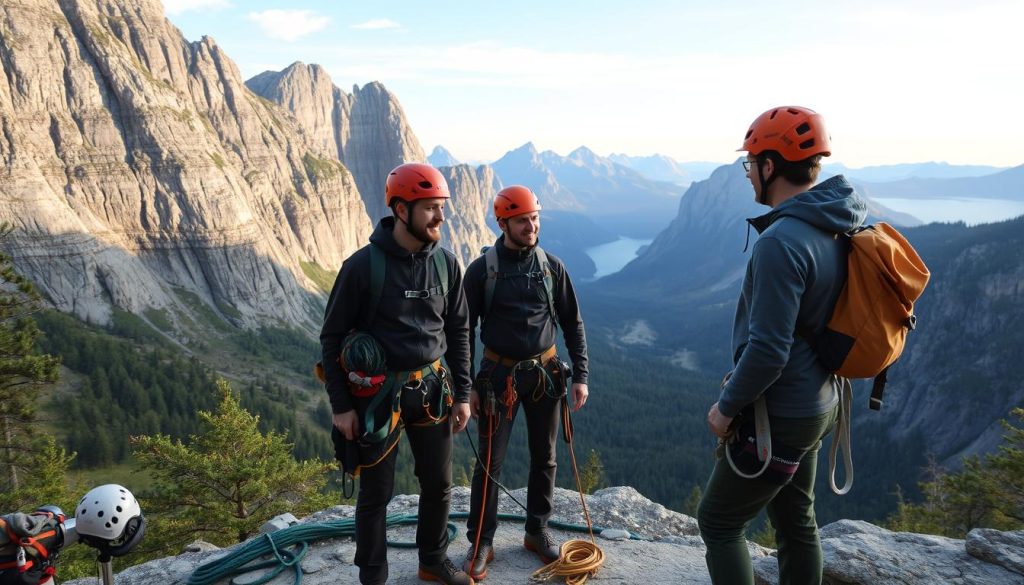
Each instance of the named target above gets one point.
<point>542,544</point>
<point>476,566</point>
<point>445,572</point>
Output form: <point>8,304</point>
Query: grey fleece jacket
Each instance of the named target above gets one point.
<point>796,271</point>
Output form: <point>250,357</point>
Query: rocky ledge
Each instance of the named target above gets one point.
<point>670,551</point>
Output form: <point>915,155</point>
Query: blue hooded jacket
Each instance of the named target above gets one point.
<point>796,271</point>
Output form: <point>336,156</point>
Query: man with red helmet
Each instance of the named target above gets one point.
<point>795,273</point>
<point>521,295</point>
<point>417,313</point>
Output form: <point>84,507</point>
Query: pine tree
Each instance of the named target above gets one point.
<point>692,502</point>
<point>986,493</point>
<point>228,480</point>
<point>27,456</point>
<point>1008,470</point>
<point>592,475</point>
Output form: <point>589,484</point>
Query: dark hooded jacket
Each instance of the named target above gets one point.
<point>413,331</point>
<point>796,271</point>
<point>519,325</point>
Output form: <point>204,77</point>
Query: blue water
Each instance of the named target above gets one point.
<point>968,210</point>
<point>611,257</point>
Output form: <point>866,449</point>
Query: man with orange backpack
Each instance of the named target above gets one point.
<point>521,295</point>
<point>398,305</point>
<point>795,274</point>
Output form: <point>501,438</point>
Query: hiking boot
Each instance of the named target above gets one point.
<point>477,566</point>
<point>542,543</point>
<point>445,572</point>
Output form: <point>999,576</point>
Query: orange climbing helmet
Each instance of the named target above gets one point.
<point>515,200</point>
<point>794,132</point>
<point>413,181</point>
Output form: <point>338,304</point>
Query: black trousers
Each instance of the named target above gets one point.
<point>542,413</point>
<point>431,446</point>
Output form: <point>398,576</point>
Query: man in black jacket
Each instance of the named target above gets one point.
<point>520,294</point>
<point>417,316</point>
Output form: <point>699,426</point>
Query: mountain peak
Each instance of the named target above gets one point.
<point>441,157</point>
<point>582,152</point>
<point>528,147</point>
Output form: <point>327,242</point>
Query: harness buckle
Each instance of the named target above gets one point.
<point>417,294</point>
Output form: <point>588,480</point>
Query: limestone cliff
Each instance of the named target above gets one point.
<point>137,165</point>
<point>365,129</point>
<point>469,223</point>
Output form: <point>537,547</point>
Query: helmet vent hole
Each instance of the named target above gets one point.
<point>114,519</point>
<point>807,144</point>
<point>425,185</point>
<point>513,206</point>
<point>803,129</point>
<point>794,112</point>
<point>749,132</point>
<point>99,514</point>
<point>119,509</point>
<point>108,525</point>
<point>774,112</point>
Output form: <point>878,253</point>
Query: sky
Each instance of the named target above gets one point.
<point>897,81</point>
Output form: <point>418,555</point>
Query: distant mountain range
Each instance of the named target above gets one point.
<point>899,172</point>
<point>1008,184</point>
<point>659,167</point>
<point>619,199</point>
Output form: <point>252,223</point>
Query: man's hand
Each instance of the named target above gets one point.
<point>580,392</point>
<point>719,423</point>
<point>460,415</point>
<point>474,404</point>
<point>347,423</point>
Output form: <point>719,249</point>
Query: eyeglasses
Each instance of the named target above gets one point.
<point>746,165</point>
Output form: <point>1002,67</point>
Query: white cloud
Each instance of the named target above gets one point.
<point>377,24</point>
<point>289,25</point>
<point>173,7</point>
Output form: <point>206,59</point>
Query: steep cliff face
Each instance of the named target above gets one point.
<point>366,129</point>
<point>137,163</point>
<point>469,217</point>
<point>961,371</point>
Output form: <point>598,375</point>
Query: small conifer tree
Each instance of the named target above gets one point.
<point>228,480</point>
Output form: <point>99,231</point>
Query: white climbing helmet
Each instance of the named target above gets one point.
<point>105,513</point>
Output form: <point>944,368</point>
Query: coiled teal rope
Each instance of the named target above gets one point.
<point>362,352</point>
<point>288,546</point>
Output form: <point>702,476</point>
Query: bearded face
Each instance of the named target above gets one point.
<point>425,218</point>
<point>522,230</point>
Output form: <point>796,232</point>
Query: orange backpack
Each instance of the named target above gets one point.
<point>875,311</point>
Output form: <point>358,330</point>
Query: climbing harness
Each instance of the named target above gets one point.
<point>783,461</point>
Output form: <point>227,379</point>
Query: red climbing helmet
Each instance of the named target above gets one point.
<point>794,132</point>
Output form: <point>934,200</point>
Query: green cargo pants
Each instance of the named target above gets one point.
<point>730,503</point>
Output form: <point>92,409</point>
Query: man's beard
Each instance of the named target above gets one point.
<point>521,243</point>
<point>421,233</point>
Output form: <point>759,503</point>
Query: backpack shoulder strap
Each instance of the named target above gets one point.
<point>549,280</point>
<point>378,265</point>
<point>441,268</point>
<point>491,263</point>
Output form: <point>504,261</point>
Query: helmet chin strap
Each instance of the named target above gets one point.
<point>763,197</point>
